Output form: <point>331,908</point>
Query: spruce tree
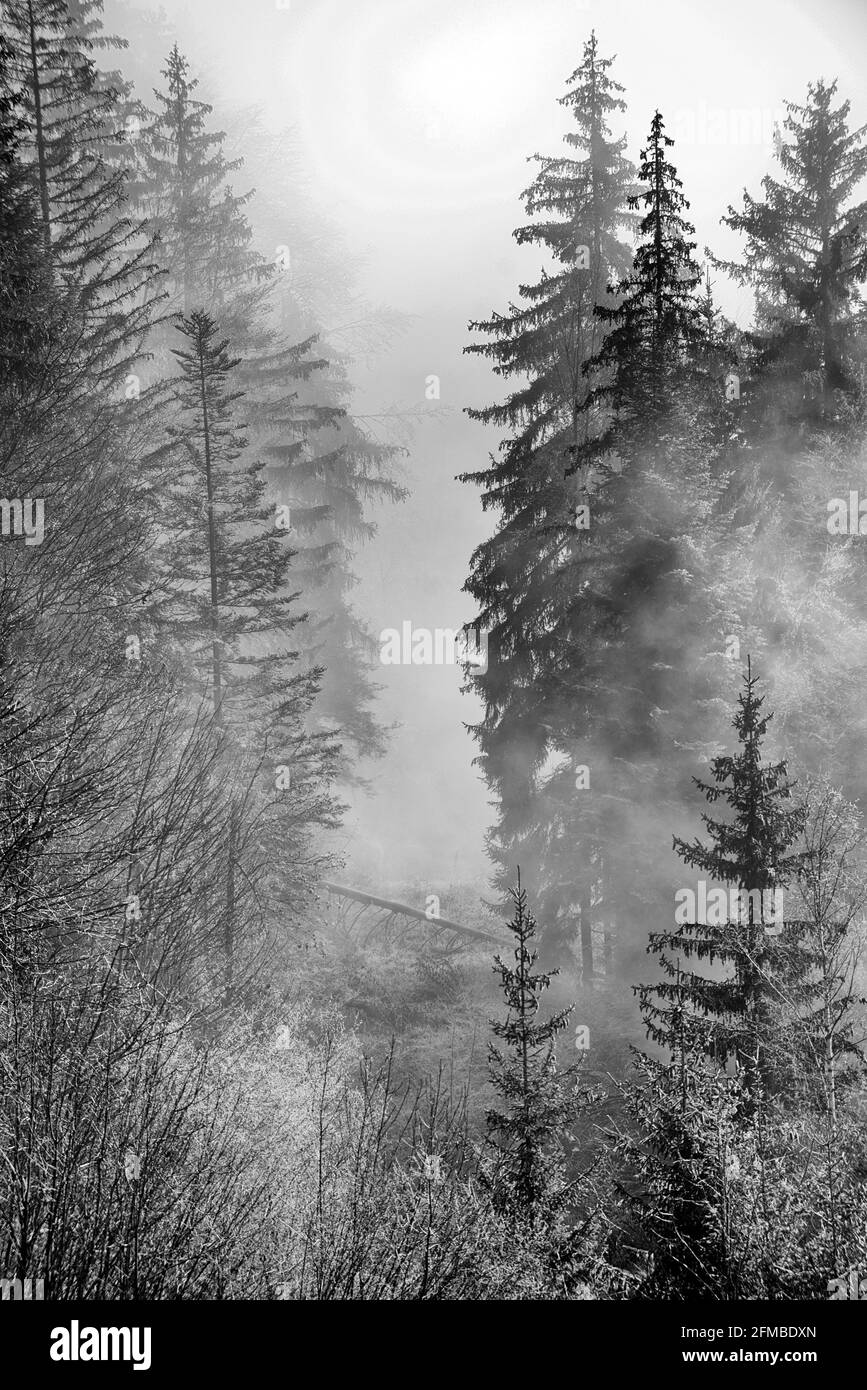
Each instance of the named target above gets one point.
<point>99,254</point>
<point>345,467</point>
<point>657,406</point>
<point>797,429</point>
<point>529,580</point>
<point>743,1184</point>
<point>227,609</point>
<point>739,1017</point>
<point>537,1103</point>
<point>618,612</point>
<point>24,279</point>
<point>321,468</point>
<point>226,597</point>
<point>324,472</point>
<point>655,327</point>
<point>204,233</point>
<point>806,260</point>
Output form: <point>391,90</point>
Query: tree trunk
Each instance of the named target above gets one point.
<point>586,936</point>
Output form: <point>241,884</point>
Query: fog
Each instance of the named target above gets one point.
<point>433,644</point>
<point>406,128</point>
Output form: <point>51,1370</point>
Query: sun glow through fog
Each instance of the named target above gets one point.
<point>438,101</point>
<point>463,80</point>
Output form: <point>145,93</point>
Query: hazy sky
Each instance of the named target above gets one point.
<point>414,121</point>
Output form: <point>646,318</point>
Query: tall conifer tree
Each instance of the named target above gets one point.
<point>321,468</point>
<point>529,578</point>
<point>742,1016</point>
<point>806,260</point>
<point>98,252</point>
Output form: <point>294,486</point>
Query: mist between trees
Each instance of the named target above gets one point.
<point>212,1085</point>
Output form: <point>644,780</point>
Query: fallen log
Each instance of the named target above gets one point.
<point>339,890</point>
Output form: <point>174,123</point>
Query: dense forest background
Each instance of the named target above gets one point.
<point>216,1081</point>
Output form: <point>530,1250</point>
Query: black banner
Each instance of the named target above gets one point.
<point>167,1341</point>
